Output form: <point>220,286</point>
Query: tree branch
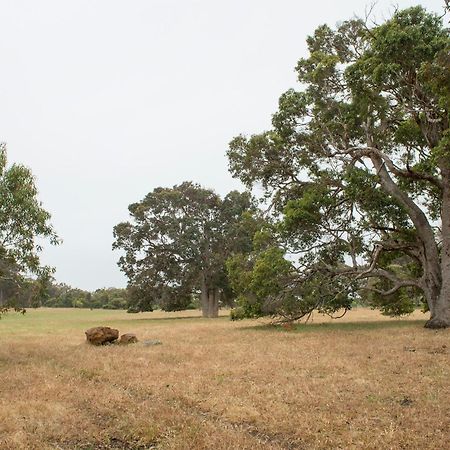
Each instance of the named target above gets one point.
<point>393,290</point>
<point>359,152</point>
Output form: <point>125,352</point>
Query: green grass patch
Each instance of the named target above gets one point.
<point>48,321</point>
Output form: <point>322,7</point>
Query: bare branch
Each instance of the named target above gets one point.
<point>376,254</point>
<point>393,290</point>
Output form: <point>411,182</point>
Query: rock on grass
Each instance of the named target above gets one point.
<point>101,335</point>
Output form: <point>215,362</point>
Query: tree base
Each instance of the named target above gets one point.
<point>210,315</point>
<point>437,324</point>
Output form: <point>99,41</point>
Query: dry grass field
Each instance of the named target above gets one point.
<point>362,382</point>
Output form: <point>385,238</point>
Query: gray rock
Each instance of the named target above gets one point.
<point>150,342</point>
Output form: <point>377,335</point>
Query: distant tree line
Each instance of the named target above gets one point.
<point>33,293</point>
<point>63,296</point>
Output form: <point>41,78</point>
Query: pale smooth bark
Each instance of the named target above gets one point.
<point>440,299</point>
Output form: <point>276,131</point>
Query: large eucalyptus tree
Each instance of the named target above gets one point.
<point>357,164</point>
<point>176,245</point>
<point>24,223</point>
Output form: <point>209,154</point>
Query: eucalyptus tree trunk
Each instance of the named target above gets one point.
<point>213,303</point>
<point>209,299</point>
<point>439,299</point>
<point>436,267</point>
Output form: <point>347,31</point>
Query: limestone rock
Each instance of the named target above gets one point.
<point>128,338</point>
<point>149,342</point>
<point>101,335</point>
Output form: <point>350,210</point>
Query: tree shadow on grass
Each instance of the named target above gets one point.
<point>339,326</point>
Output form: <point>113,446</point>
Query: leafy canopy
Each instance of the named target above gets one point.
<point>178,237</point>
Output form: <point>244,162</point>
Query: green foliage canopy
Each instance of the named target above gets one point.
<point>177,243</point>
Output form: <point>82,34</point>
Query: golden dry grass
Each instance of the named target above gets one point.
<point>362,382</point>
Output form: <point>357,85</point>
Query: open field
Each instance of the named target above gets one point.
<point>362,382</point>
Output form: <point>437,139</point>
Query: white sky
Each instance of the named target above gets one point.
<point>107,99</point>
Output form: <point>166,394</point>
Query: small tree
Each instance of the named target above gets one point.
<point>22,221</point>
<point>358,167</point>
<point>176,246</point>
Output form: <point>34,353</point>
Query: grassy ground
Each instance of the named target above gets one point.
<point>362,382</point>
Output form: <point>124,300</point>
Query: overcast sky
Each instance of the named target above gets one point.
<point>107,99</point>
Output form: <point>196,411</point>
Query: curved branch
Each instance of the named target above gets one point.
<point>393,290</point>
<point>358,152</point>
<point>408,173</point>
<point>430,256</point>
<point>376,254</point>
